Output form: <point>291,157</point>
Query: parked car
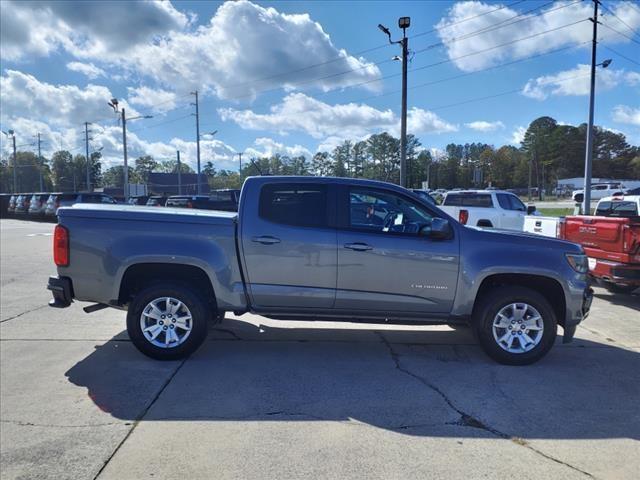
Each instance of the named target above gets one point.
<point>612,242</point>
<point>58,200</point>
<point>188,201</point>
<point>486,208</point>
<point>598,191</point>
<point>11,208</point>
<point>22,204</point>
<point>314,247</point>
<point>139,200</point>
<point>5,199</point>
<point>38,204</point>
<point>156,201</point>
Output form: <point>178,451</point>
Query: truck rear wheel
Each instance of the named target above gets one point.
<point>515,325</point>
<point>167,321</point>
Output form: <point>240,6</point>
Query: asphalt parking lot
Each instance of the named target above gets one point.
<point>264,399</point>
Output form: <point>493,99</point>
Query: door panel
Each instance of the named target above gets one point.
<point>289,251</point>
<point>387,267</point>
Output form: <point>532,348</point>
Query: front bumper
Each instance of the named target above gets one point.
<point>62,290</point>
<point>571,323</point>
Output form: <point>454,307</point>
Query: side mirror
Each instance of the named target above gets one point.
<point>531,209</point>
<point>440,229</point>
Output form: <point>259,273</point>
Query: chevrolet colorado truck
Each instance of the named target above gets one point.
<point>308,248</point>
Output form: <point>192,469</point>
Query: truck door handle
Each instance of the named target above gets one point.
<point>358,247</point>
<point>266,240</point>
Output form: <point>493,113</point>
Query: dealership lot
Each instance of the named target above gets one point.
<point>269,399</point>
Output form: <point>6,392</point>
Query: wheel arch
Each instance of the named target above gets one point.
<point>548,287</point>
<point>139,275</point>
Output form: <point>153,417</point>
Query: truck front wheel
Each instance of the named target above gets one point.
<point>167,321</point>
<point>515,325</point>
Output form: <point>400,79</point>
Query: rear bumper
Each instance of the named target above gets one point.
<point>616,272</point>
<point>62,291</point>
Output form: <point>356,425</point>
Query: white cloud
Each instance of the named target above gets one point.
<point>484,126</point>
<point>518,135</point>
<point>84,29</point>
<point>244,48</point>
<point>626,114</point>
<point>23,95</point>
<point>88,69</point>
<point>266,147</point>
<point>576,82</point>
<point>451,28</point>
<point>158,100</point>
<point>299,112</point>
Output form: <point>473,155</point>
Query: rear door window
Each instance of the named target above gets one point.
<point>303,205</point>
<point>482,200</point>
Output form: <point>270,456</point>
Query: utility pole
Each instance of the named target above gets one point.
<point>40,162</point>
<point>179,173</point>
<point>586,206</point>
<point>240,158</point>
<point>403,23</point>
<point>86,141</point>
<point>126,162</point>
<point>197,114</point>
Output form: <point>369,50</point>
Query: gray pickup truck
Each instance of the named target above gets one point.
<point>318,248</point>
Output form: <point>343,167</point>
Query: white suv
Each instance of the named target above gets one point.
<point>486,208</point>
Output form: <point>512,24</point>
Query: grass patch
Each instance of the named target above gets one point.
<point>556,212</point>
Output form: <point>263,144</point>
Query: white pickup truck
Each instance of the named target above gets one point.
<point>486,208</point>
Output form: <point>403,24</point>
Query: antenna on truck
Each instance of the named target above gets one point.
<point>257,167</point>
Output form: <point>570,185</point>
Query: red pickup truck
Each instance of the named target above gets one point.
<point>612,244</point>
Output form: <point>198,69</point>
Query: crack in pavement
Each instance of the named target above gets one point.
<point>141,416</point>
<point>24,313</point>
<point>467,420</point>
<point>50,425</point>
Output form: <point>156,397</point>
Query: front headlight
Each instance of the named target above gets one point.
<point>579,262</point>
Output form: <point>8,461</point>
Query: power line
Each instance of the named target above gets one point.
<point>620,54</point>
<point>368,50</point>
<point>621,21</point>
<point>619,33</point>
<point>500,25</point>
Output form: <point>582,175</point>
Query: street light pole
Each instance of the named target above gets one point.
<point>403,23</point>
<point>403,122</point>
<point>179,173</point>
<point>114,104</point>
<point>40,163</point>
<point>586,206</point>
<point>197,114</point>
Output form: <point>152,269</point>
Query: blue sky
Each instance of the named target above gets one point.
<point>298,77</point>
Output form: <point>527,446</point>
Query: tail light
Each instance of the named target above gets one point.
<point>61,246</point>
<point>189,205</point>
<point>463,217</point>
<point>560,228</point>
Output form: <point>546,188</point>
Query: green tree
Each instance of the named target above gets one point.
<point>114,176</point>
<point>144,165</point>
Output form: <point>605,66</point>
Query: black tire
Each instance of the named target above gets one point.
<point>498,298</point>
<point>614,288</point>
<point>200,315</point>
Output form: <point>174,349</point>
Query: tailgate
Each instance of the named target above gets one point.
<point>604,237</point>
